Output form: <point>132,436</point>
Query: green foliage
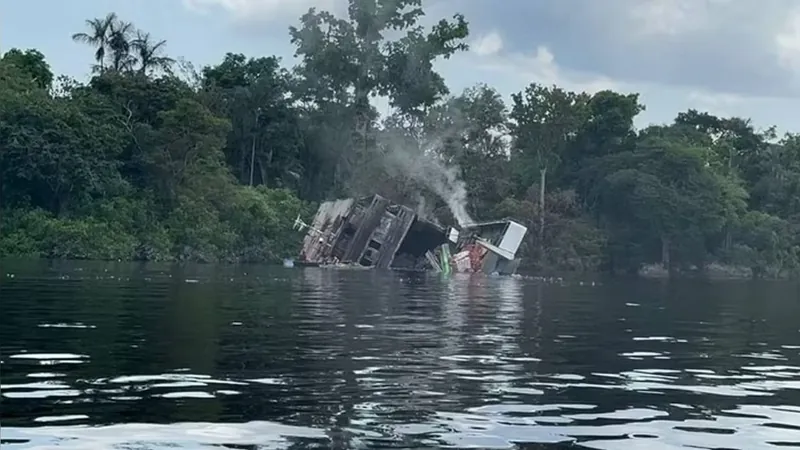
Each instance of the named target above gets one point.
<point>130,166</point>
<point>346,62</point>
<point>263,218</point>
<point>544,120</point>
<point>38,233</point>
<point>766,244</point>
<point>139,163</point>
<point>571,241</point>
<point>31,64</point>
<point>53,153</point>
<point>264,145</point>
<point>120,47</point>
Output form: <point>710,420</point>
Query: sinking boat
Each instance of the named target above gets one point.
<point>374,232</point>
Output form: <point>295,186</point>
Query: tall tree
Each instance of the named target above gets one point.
<point>544,122</point>
<point>264,146</point>
<point>98,36</point>
<point>32,63</point>
<point>148,54</point>
<point>119,43</point>
<point>472,131</point>
<point>733,139</point>
<point>666,191</point>
<point>53,154</point>
<point>347,62</point>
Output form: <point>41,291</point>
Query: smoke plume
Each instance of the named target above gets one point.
<point>425,211</point>
<point>426,169</point>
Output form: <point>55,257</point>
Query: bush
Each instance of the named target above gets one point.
<point>37,233</point>
<point>255,225</point>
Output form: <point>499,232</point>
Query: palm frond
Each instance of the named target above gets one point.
<point>148,53</point>
<point>84,38</point>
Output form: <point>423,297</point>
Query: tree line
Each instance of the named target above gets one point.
<point>151,159</point>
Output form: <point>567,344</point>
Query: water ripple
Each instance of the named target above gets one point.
<point>210,357</point>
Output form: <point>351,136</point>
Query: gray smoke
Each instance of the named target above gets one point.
<point>427,169</point>
<point>425,211</point>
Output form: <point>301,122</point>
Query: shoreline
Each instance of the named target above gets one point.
<point>713,271</point>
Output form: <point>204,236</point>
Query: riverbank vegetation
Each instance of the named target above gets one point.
<point>151,159</point>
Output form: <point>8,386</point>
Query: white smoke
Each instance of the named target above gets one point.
<point>428,170</point>
<point>425,211</point>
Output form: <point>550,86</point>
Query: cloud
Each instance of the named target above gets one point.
<point>720,104</point>
<point>260,11</point>
<point>735,46</point>
<point>715,100</point>
<point>510,72</point>
<point>737,57</point>
<point>540,66</point>
<point>660,18</point>
<point>787,43</point>
<point>488,44</point>
<point>744,47</point>
<point>738,46</point>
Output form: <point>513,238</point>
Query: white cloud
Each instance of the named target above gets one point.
<point>262,10</point>
<point>728,57</point>
<point>511,72</point>
<point>541,67</point>
<point>674,17</point>
<point>720,104</point>
<point>787,43</point>
<point>707,99</point>
<point>662,17</point>
<point>488,44</point>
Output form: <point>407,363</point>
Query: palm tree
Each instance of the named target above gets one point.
<point>119,42</point>
<point>98,36</point>
<point>149,55</point>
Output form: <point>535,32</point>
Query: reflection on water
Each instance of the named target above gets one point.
<point>136,357</point>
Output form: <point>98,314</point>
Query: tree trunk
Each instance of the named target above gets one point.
<point>366,136</point>
<point>730,161</point>
<point>665,253</point>
<point>252,159</point>
<point>262,170</point>
<point>542,184</point>
<point>728,238</point>
<point>242,166</point>
<point>265,167</point>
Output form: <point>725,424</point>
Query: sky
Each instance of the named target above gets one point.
<point>728,57</point>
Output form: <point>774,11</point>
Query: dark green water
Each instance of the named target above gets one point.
<point>131,357</point>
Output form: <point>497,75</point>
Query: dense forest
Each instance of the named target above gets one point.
<point>152,159</point>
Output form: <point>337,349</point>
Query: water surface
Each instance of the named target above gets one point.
<point>122,356</point>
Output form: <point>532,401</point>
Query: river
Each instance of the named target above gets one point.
<point>113,356</point>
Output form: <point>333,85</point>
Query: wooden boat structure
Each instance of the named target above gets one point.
<point>374,232</point>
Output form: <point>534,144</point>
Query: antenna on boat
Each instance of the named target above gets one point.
<point>299,225</point>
